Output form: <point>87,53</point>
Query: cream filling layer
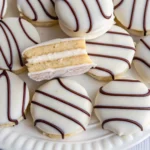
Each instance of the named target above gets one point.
<point>55,56</point>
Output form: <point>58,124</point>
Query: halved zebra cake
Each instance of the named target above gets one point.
<point>57,58</point>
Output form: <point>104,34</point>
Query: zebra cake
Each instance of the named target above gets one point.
<point>16,34</point>
<point>141,59</point>
<point>88,18</point>
<point>113,53</point>
<point>133,15</point>
<point>57,58</point>
<point>123,106</point>
<point>39,12</point>
<point>13,101</point>
<point>61,108</point>
<point>3,8</point>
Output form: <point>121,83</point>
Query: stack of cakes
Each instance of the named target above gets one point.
<point>98,44</point>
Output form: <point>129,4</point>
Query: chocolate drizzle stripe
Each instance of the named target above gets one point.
<point>101,10</point>
<point>145,44</point>
<point>124,120</point>
<point>23,102</point>
<point>72,91</point>
<point>50,124</point>
<point>16,43</point>
<point>5,59</point>
<point>121,107</point>
<point>75,16</point>
<point>119,33</point>
<point>46,12</point>
<point>63,101</point>
<point>20,22</point>
<point>57,112</point>
<point>4,73</point>
<point>118,4</point>
<point>89,16</point>
<point>9,65</point>
<point>52,2</point>
<point>121,94</point>
<point>127,80</point>
<point>107,71</point>
<point>2,10</point>
<point>33,10</point>
<point>113,45</point>
<point>144,20</point>
<point>132,14</point>
<point>143,61</point>
<point>112,57</point>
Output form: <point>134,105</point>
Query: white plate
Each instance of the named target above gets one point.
<point>26,137</point>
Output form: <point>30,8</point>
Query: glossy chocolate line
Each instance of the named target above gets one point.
<point>118,4</point>
<point>121,107</point>
<point>72,91</point>
<point>132,14</point>
<point>23,102</point>
<point>33,10</point>
<point>106,70</point>
<point>20,22</point>
<point>16,43</point>
<point>5,59</point>
<point>52,2</point>
<point>121,94</point>
<point>46,12</point>
<point>119,33</point>
<point>142,60</point>
<point>145,44</point>
<point>144,20</point>
<point>4,73</point>
<point>9,65</point>
<point>101,10</point>
<point>112,57</point>
<point>2,10</point>
<point>50,124</point>
<point>63,101</point>
<point>89,16</point>
<point>127,80</point>
<point>113,45</point>
<point>145,33</point>
<point>122,119</point>
<point>75,16</point>
<point>57,112</point>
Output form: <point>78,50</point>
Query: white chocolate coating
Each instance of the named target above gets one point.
<point>16,40</point>
<point>141,60</point>
<point>65,101</point>
<point>3,8</point>
<point>85,18</point>
<point>139,19</point>
<point>61,72</point>
<point>127,106</point>
<point>19,96</point>
<point>109,50</point>
<point>44,10</point>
